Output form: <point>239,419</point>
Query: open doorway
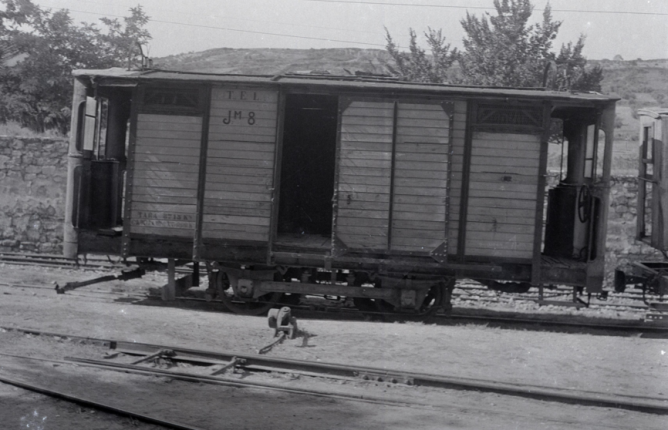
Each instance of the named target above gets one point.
<point>307,168</point>
<point>573,210</point>
<point>99,183</point>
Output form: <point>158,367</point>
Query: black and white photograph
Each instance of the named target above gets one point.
<point>333,214</point>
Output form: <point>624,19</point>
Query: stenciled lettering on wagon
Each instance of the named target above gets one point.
<point>247,96</point>
<point>170,216</point>
<point>159,223</point>
<point>239,116</point>
<point>505,115</point>
<point>164,219</point>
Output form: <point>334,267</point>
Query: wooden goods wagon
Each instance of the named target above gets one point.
<point>362,187</point>
<point>651,209</point>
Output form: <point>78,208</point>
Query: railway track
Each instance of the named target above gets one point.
<point>317,308</point>
<point>472,295</point>
<point>84,402</point>
<point>98,262</point>
<point>214,367</point>
<point>57,261</point>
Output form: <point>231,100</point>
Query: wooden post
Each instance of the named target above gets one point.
<point>74,162</point>
<point>169,290</point>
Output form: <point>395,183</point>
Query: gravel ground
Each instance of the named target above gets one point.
<point>609,364</point>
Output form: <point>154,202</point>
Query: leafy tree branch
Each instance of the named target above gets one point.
<point>37,90</point>
<point>501,49</point>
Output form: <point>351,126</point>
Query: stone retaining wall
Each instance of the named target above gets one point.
<point>33,176</point>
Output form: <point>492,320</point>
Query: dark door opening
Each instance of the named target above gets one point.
<point>100,181</point>
<point>307,166</point>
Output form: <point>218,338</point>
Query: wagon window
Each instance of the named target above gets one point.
<point>558,147</point>
<point>171,97</point>
<point>647,152</point>
<point>172,100</point>
<point>87,124</point>
<point>590,151</point>
<point>101,132</point>
<point>600,153</point>
<point>503,118</point>
<point>645,183</point>
<point>81,121</point>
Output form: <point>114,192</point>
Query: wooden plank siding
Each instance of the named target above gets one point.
<point>240,164</point>
<point>420,171</point>
<point>502,194</point>
<point>165,172</point>
<point>457,144</point>
<point>365,163</point>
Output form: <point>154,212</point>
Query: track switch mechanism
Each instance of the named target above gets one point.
<point>284,325</point>
<point>282,321</point>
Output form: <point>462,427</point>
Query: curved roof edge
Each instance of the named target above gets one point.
<point>655,113</point>
<point>352,82</point>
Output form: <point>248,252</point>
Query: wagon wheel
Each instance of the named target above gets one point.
<point>584,203</point>
<point>241,305</point>
<point>433,301</point>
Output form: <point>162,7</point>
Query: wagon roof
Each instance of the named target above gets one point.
<point>655,113</point>
<point>352,83</point>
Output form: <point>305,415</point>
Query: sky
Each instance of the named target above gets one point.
<point>630,28</point>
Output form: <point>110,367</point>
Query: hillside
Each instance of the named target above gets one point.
<point>638,83</point>
<point>278,61</point>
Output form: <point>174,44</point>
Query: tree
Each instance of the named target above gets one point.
<point>122,40</point>
<point>503,49</point>
<point>37,91</point>
<point>571,71</point>
<point>417,66</point>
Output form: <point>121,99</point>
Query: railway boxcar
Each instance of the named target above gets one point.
<point>363,187</point>
<point>651,210</point>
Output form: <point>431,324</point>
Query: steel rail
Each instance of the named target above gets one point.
<point>631,326</point>
<point>466,288</point>
<point>218,380</point>
<point>188,377</point>
<point>472,291</point>
<point>464,293</point>
<point>639,328</point>
<point>11,257</point>
<point>581,397</point>
<point>105,264</point>
<point>50,260</point>
<point>89,295</point>
<point>96,261</point>
<point>54,263</point>
<point>93,258</point>
<point>505,300</point>
<point>94,404</point>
